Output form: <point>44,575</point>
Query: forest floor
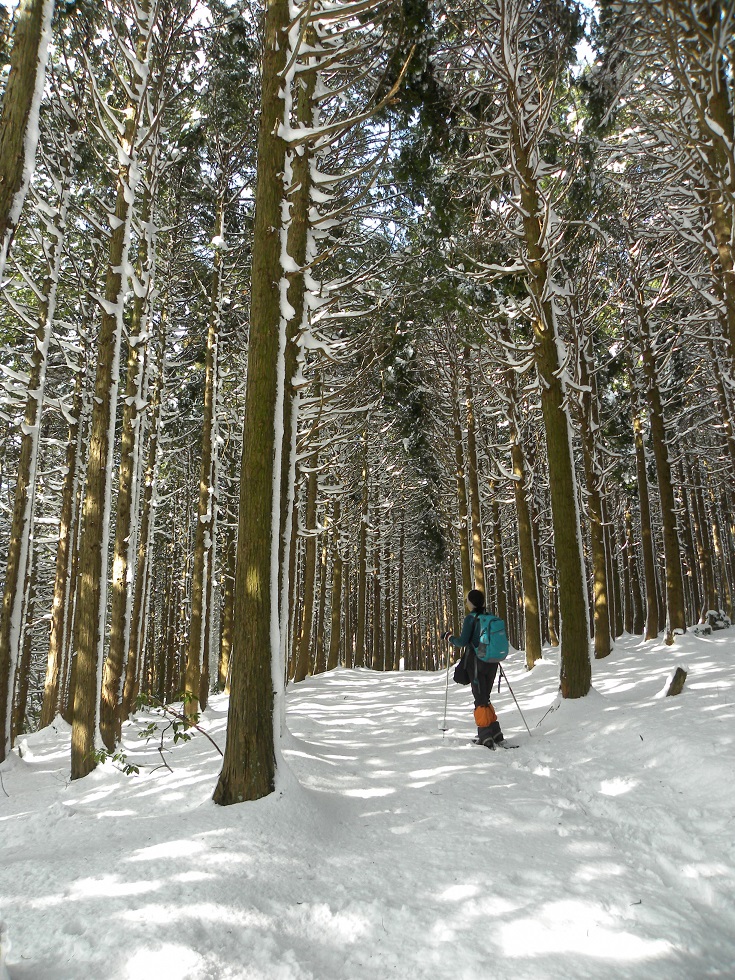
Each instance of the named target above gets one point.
<point>602,847</point>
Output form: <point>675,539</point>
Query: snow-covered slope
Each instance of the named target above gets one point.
<point>602,847</point>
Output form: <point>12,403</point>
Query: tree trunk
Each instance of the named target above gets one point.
<point>649,561</point>
<point>228,600</point>
<point>676,617</point>
<point>600,588</point>
<point>704,550</point>
<point>143,567</point>
<point>336,607</point>
<point>501,601</point>
<point>297,190</point>
<point>94,545</point>
<point>531,605</point>
<point>453,603</point>
<point>399,595</point>
<point>387,608</point>
<point>725,592</point>
<point>303,663</point>
<point>249,765</point>
<point>553,617</point>
<point>613,570</point>
<point>320,664</point>
<point>126,518</point>
<point>24,673</point>
<point>19,116</point>
<point>68,684</point>
<point>638,615</point>
<point>21,532</point>
<point>575,659</point>
<point>478,563</point>
<point>464,551</point>
<point>378,657</point>
<point>204,532</point>
<point>689,549</point>
<point>359,659</point>
<point>349,619</point>
<point>58,649</point>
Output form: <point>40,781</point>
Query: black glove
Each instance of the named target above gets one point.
<point>446,635</point>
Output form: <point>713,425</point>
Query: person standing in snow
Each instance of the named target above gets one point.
<point>482,675</point>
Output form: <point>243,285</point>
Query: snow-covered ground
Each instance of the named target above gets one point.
<point>603,847</point>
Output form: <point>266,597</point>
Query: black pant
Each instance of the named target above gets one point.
<point>483,678</point>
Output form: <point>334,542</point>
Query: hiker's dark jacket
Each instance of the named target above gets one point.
<point>467,634</point>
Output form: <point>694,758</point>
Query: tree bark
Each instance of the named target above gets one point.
<point>501,600</point>
<point>638,614</point>
<point>19,558</point>
<point>58,649</point>
<point>644,506</point>
<point>378,654</point>
<point>601,615</point>
<point>462,509</point>
<point>249,765</point>
<point>94,544</point>
<point>124,546</point>
<point>399,595</point>
<point>143,567</point>
<point>478,563</point>
<point>359,658</point>
<point>204,532</point>
<point>19,115</point>
<point>676,616</point>
<point>303,663</point>
<point>228,601</point>
<point>336,607</point>
<point>531,604</point>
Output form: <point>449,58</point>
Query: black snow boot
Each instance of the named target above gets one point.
<point>486,736</point>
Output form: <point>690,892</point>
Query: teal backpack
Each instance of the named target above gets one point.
<point>492,646</point>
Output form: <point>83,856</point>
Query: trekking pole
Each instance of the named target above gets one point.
<point>504,675</point>
<point>446,697</point>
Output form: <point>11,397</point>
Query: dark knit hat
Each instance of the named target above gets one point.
<point>476,598</point>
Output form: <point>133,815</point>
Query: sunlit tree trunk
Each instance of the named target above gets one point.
<point>143,566</point>
<point>23,676</point>
<point>126,518</point>
<point>19,115</point>
<point>228,601</point>
<point>93,549</point>
<point>249,766</point>
<point>297,191</point>
<point>58,648</point>
<point>68,685</point>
